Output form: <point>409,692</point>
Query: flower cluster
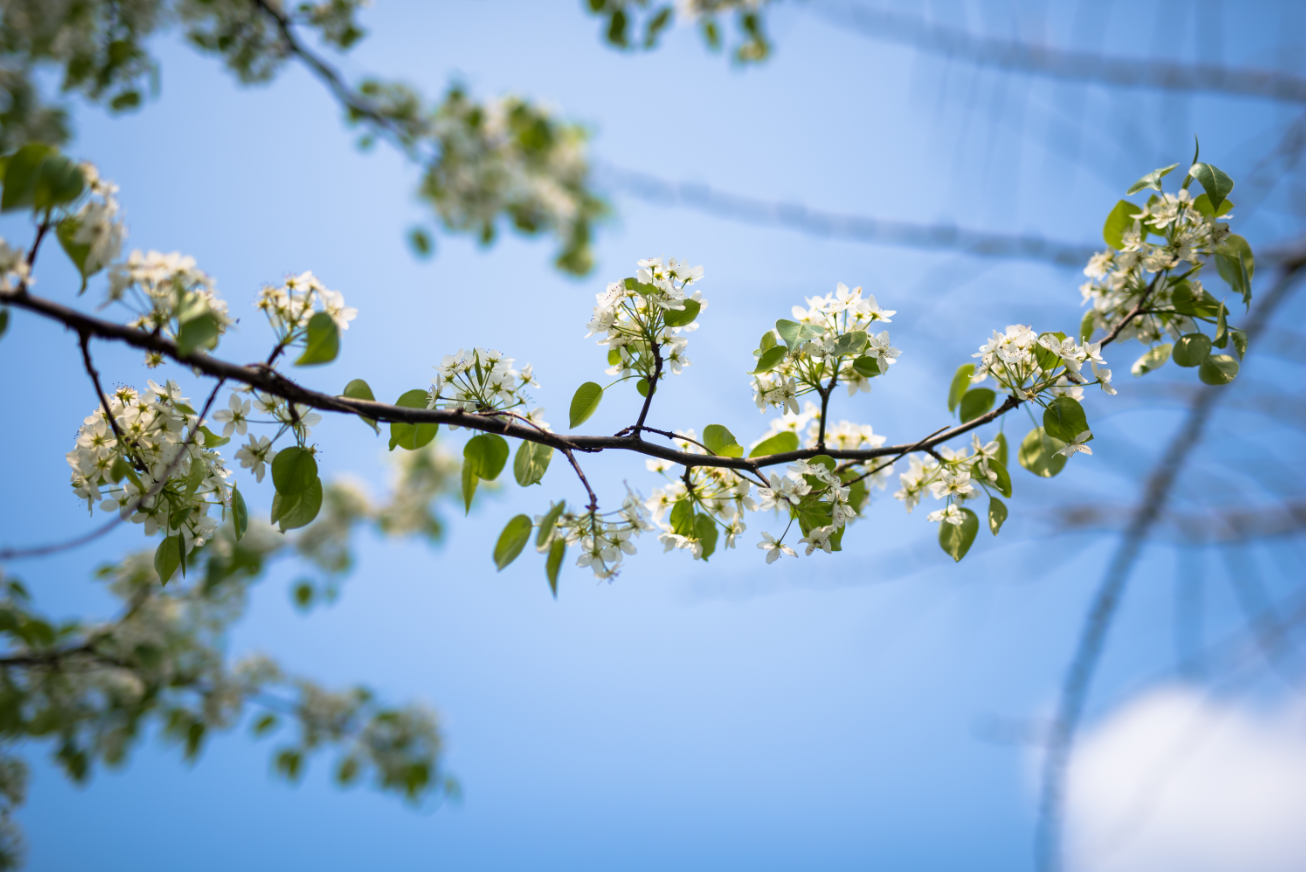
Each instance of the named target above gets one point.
<point>604,539</point>
<point>294,418</point>
<point>98,226</point>
<point>830,342</point>
<point>508,156</point>
<point>146,467</point>
<point>952,476</point>
<point>1027,364</point>
<point>482,380</point>
<point>290,306</point>
<point>816,495</point>
<point>642,320</point>
<point>696,509</point>
<point>169,295</point>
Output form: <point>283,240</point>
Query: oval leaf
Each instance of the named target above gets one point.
<point>721,441</point>
<point>239,513</point>
<point>584,403</point>
<point>1003,480</point>
<point>1153,359</point>
<point>293,470</point>
<point>167,557</point>
<point>292,511</point>
<point>956,539</point>
<point>511,541</point>
<point>323,341</point>
<point>557,551</point>
<point>546,525</point>
<point>1218,369</point>
<point>1192,349</point>
<point>771,358</point>
<point>361,390</point>
<point>1120,219</point>
<point>976,402</point>
<point>1064,419</point>
<point>681,317</point>
<point>531,463</point>
<point>1216,184</point>
<point>997,514</point>
<point>1038,454</point>
<point>412,436</point>
<point>960,381</point>
<point>486,455</point>
<point>780,443</point>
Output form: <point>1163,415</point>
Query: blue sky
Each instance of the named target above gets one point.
<point>818,713</point>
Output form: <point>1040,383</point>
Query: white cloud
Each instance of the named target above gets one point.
<point>1185,782</point>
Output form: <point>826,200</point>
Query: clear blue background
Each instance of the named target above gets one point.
<point>818,713</point>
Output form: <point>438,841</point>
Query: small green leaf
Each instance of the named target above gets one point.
<point>1239,339</point>
<point>850,343</point>
<point>469,481</point>
<point>292,511</point>
<point>1038,453</point>
<point>199,332</point>
<point>487,454</point>
<point>511,541</point>
<point>780,443</point>
<point>867,367</point>
<point>705,531</point>
<point>976,402</point>
<point>997,514</point>
<point>1003,482</point>
<point>1153,359</point>
<point>361,390</point>
<point>557,551</point>
<point>59,181</point>
<point>323,341</point>
<point>956,539</point>
<point>1192,349</point>
<point>412,436</point>
<point>1151,180</point>
<point>1236,264</point>
<point>213,440</point>
<point>1221,339</point>
<point>21,172</point>
<point>1203,204</point>
<point>294,469</point>
<point>1087,326</point>
<point>1216,184</point>
<point>531,463</point>
<point>1001,439</point>
<point>167,557</point>
<point>682,518</point>
<point>1218,369</point>
<point>584,403</point>
<point>642,387</point>
<point>421,242</point>
<point>239,513</point>
<point>771,358</point>
<point>264,724</point>
<point>546,524</point>
<point>1064,419</point>
<point>77,252</point>
<point>960,382</point>
<point>768,341</point>
<point>788,331</point>
<point>681,317</point>
<point>1120,219</point>
<point>721,441</point>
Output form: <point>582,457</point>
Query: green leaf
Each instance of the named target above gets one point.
<point>77,252</point>
<point>1185,303</point>
<point>59,181</point>
<point>705,531</point>
<point>768,341</point>
<point>195,478</point>
<point>292,511</point>
<point>531,463</point>
<point>1038,453</point>
<point>1192,349</point>
<point>199,332</point>
<point>546,524</point>
<point>954,539</point>
<point>794,333</point>
<point>682,518</point>
<point>1153,359</point>
<point>410,436</point>
<point>265,723</point>
<point>1001,439</point>
<point>167,557</point>
<point>641,387</point>
<point>771,358</point>
<point>294,470</point>
<point>721,441</point>
<point>512,540</point>
<point>1239,339</point>
<point>1120,219</point>
<point>421,242</point>
<point>1221,339</point>
<point>850,343</point>
<point>1216,184</point>
<point>1003,482</point>
<point>1086,326</point>
<point>976,402</point>
<point>213,440</point>
<point>997,514</point>
<point>584,403</point>
<point>21,171</point>
<point>487,454</point>
<point>867,367</point>
<point>1218,369</point>
<point>1237,265</point>
<point>1151,180</point>
<point>681,317</point>
<point>557,551</point>
<point>780,443</point>
<point>1046,358</point>
<point>361,390</point>
<point>1203,204</point>
<point>323,341</point>
<point>1064,419</point>
<point>239,513</point>
<point>469,486</point>
<point>960,382</point>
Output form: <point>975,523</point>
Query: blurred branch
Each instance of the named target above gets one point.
<point>834,225</point>
<point>954,43</point>
<point>1219,527</point>
<point>1106,600</point>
